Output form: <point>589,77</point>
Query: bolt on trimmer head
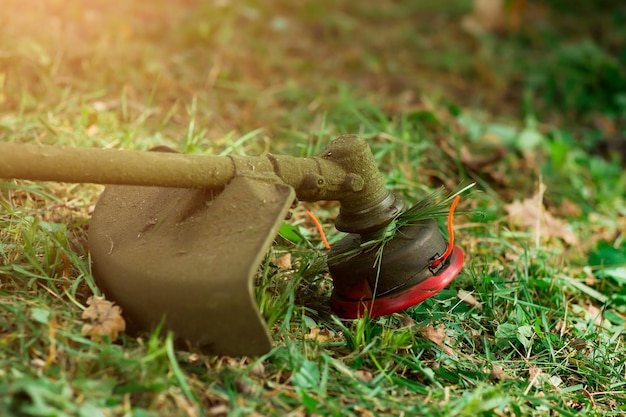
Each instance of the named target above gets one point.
<point>177,239</point>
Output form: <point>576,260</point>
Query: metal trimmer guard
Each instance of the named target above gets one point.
<point>168,255</point>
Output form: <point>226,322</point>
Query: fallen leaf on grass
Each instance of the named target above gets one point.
<point>103,318</point>
<point>469,299</point>
<point>595,313</point>
<point>437,336</point>
<point>258,371</point>
<point>183,403</point>
<point>590,279</point>
<point>532,213</point>
<point>606,125</point>
<point>175,397</point>
<point>578,343</point>
<point>569,209</point>
<point>498,374</point>
<point>365,376</point>
<point>534,375</point>
<point>219,410</point>
<point>488,15</point>
<point>561,327</point>
<point>319,335</point>
<point>429,332</point>
<point>245,387</point>
<point>283,261</point>
<point>407,321</point>
<point>363,412</point>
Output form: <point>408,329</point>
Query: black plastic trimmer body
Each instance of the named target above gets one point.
<point>366,282</point>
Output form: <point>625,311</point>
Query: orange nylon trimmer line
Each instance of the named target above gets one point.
<point>320,229</point>
<point>448,251</point>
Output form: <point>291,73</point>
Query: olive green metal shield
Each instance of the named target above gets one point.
<point>188,257</point>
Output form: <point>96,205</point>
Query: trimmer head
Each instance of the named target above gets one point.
<point>367,283</point>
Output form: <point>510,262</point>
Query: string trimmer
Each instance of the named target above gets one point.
<point>177,239</point>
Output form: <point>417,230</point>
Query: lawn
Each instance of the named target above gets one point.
<point>533,111</point>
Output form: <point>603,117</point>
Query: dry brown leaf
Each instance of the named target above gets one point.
<point>532,213</point>
<point>219,410</point>
<point>437,336</point>
<point>449,351</point>
<point>494,16</point>
<point>363,412</point>
<point>407,321</point>
<point>533,378</point>
<point>590,279</point>
<point>498,374</point>
<point>319,335</point>
<point>245,387</point>
<point>569,209</point>
<point>103,318</point>
<point>38,363</point>
<point>561,327</point>
<point>258,371</point>
<point>595,313</point>
<point>469,299</point>
<point>175,397</point>
<point>366,376</point>
<point>606,124</point>
<point>313,333</point>
<point>183,402</point>
<point>578,343</point>
<point>194,358</point>
<point>298,412</point>
<point>488,15</point>
<point>283,261</point>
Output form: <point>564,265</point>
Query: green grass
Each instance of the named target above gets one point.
<point>433,103</point>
